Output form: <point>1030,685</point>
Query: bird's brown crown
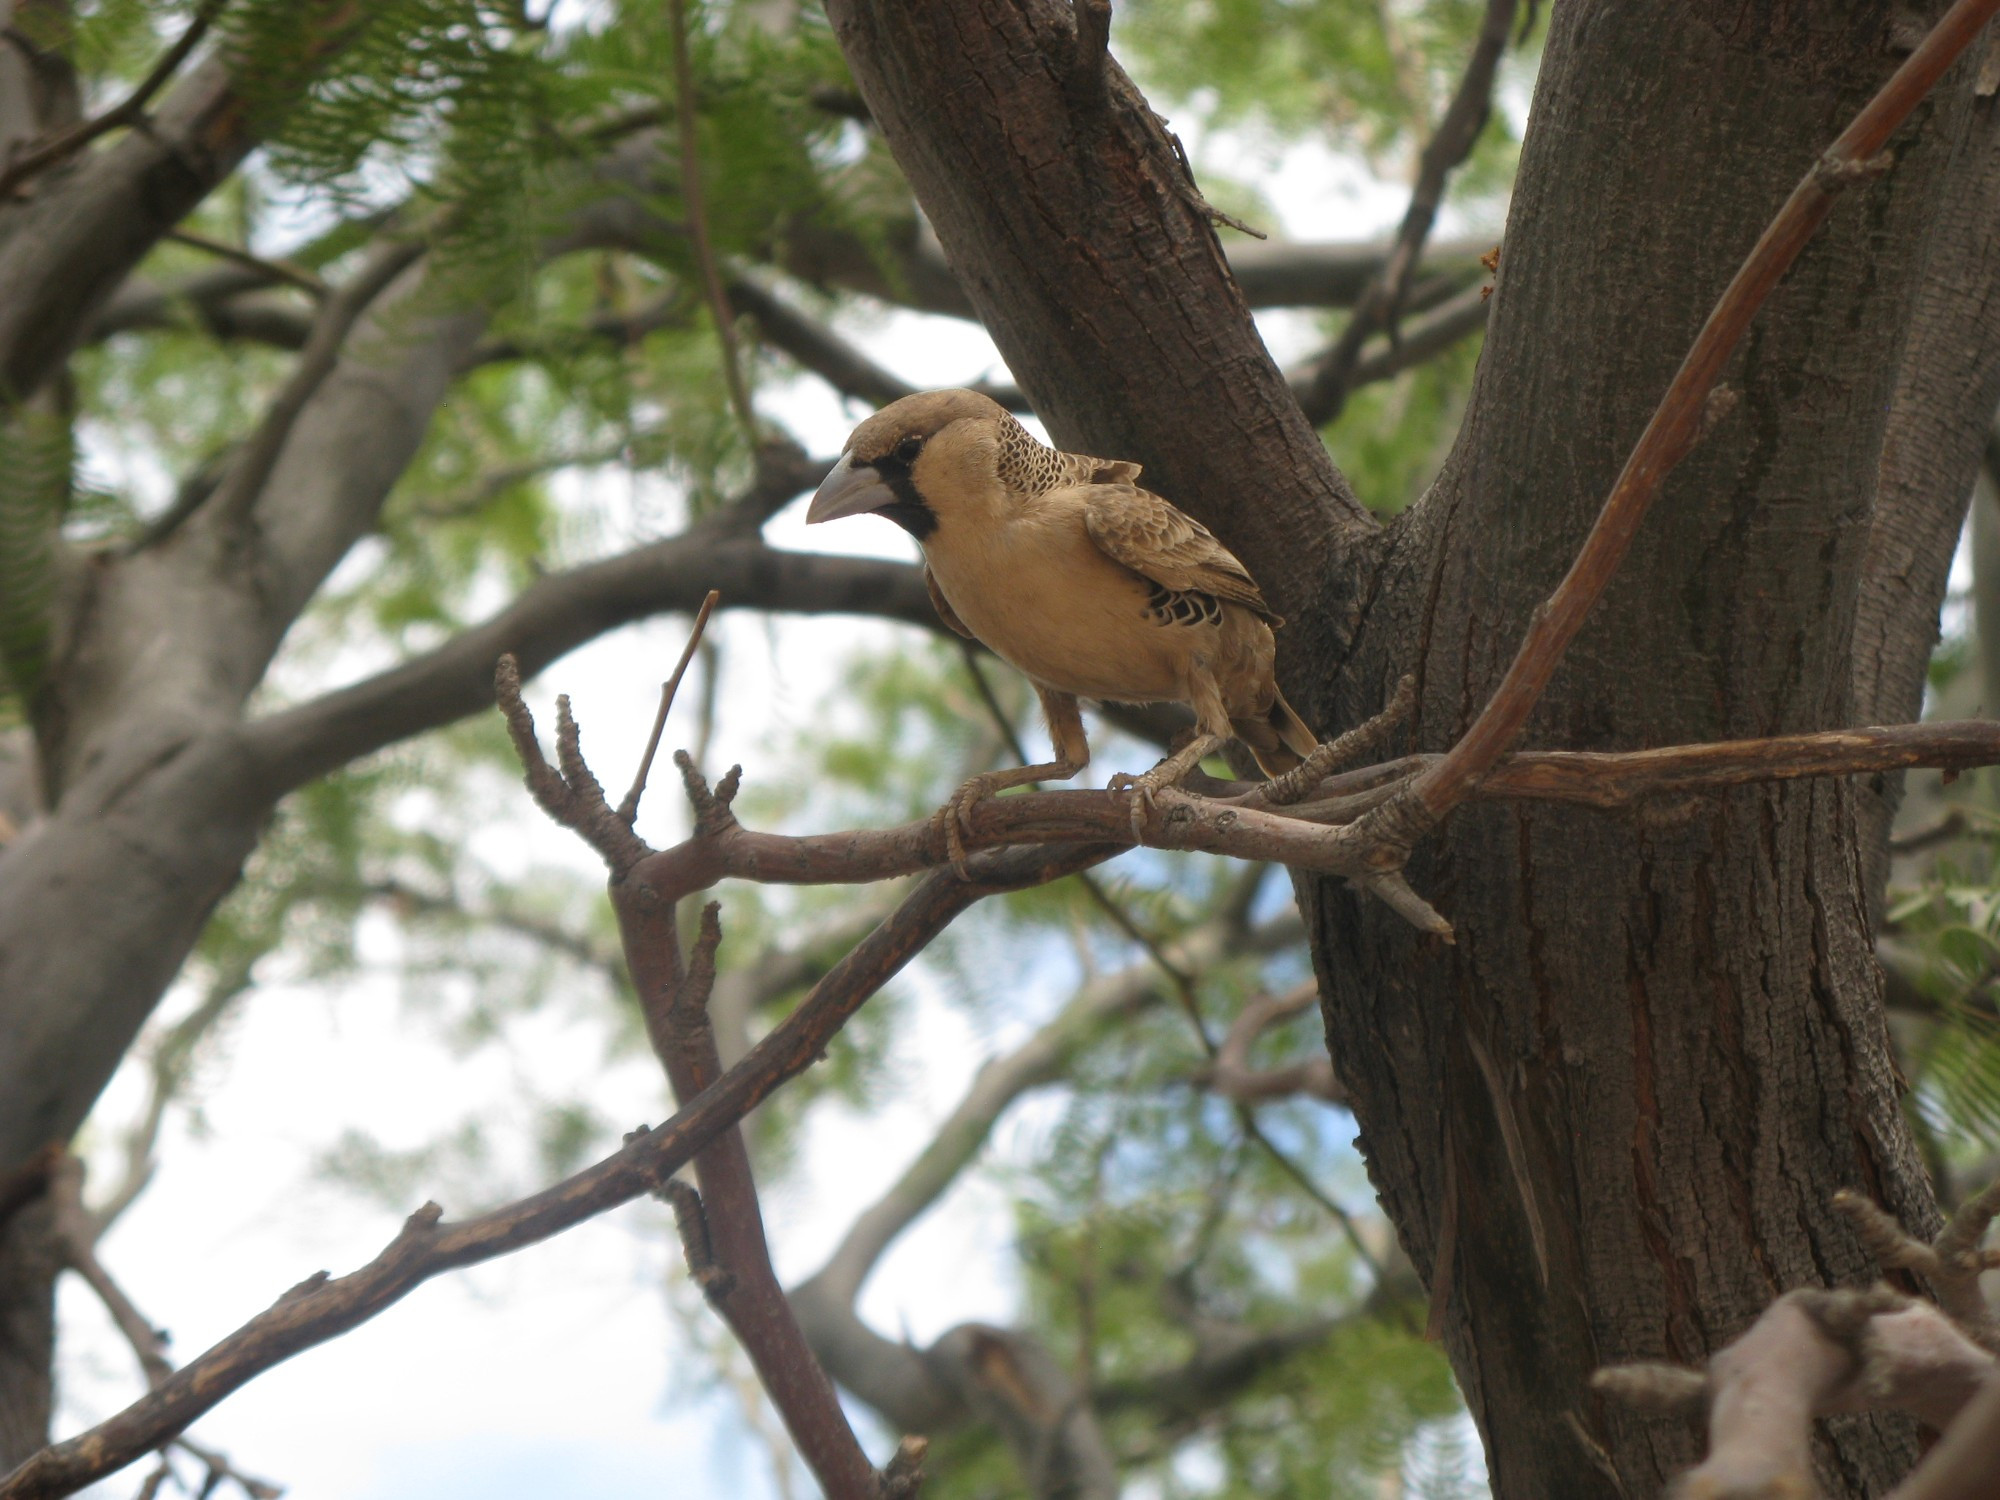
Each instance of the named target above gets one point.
<point>900,429</point>
<point>891,440</point>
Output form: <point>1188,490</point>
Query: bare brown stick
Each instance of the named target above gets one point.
<point>1816,1353</point>
<point>722,1228</point>
<point>1457,132</point>
<point>76,1237</point>
<point>737,1279</point>
<point>628,809</point>
<point>1239,828</point>
<point>697,222</point>
<point>128,111</point>
<point>1677,422</point>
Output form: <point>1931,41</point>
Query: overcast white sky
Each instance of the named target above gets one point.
<point>561,1370</point>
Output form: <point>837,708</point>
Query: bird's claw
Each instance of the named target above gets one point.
<point>956,815</point>
<point>1144,790</point>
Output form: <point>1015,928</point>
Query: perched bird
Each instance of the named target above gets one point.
<point>1068,570</point>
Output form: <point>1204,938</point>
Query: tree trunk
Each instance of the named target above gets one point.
<point>1610,1120</point>
<point>28,1266</point>
<point>1608,1123</point>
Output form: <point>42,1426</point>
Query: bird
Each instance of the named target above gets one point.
<point>1066,568</point>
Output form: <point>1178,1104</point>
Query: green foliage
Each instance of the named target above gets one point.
<point>1393,437</point>
<point>1951,923</point>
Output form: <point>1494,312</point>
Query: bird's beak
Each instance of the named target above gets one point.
<point>849,491</point>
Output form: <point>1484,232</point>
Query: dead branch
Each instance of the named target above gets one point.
<point>722,1227</point>
<point>1951,1264</point>
<point>1816,1352</point>
<point>1238,827</point>
<point>1677,423</point>
<point>1465,117</point>
<point>628,806</point>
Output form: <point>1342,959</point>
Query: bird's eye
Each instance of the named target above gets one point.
<point>907,450</point>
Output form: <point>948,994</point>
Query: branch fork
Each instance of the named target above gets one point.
<point>1820,1352</point>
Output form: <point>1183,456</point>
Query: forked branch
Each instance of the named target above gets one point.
<point>1816,1352</point>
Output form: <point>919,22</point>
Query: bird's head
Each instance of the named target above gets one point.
<point>918,458</point>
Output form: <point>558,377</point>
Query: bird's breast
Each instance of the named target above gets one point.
<point>1044,598</point>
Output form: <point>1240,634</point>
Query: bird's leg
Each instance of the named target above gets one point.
<point>1168,772</point>
<point>1212,732</point>
<point>1072,755</point>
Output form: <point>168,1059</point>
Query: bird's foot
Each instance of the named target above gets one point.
<point>956,816</point>
<point>1144,790</point>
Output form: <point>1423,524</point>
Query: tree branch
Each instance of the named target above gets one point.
<point>723,1230</point>
<point>71,245</point>
<point>1230,1074</point>
<point>1465,117</point>
<point>558,614</point>
<point>231,501</point>
<point>1816,1353</point>
<point>128,111</point>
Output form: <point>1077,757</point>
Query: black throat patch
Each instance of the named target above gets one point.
<point>909,512</point>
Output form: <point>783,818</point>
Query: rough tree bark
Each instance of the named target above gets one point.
<point>1607,1123</point>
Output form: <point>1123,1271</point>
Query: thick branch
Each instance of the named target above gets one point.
<point>562,612</point>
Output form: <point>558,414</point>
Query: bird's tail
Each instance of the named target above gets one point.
<point>1277,737</point>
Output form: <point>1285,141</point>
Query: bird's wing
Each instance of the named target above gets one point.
<point>1137,528</point>
<point>943,606</point>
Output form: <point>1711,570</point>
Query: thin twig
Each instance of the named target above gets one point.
<point>628,809</point>
<point>1253,1129</point>
<point>76,1238</point>
<point>698,230</point>
<point>1677,423</point>
<point>277,270</point>
<point>1184,988</point>
<point>128,111</point>
<point>1457,132</point>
